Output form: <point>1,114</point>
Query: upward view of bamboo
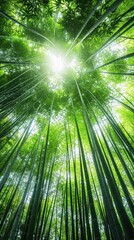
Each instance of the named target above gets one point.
<point>67,154</point>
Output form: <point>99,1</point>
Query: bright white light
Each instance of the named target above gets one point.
<point>59,15</point>
<point>57,63</point>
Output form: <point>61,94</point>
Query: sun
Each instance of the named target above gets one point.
<point>59,67</point>
<point>56,63</point>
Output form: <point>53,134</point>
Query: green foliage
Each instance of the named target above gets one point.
<point>66,136</point>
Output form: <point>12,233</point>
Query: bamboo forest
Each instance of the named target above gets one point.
<point>66,119</point>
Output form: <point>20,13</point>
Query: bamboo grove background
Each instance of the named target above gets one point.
<point>66,156</point>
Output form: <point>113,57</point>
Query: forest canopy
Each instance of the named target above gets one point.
<point>66,119</point>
